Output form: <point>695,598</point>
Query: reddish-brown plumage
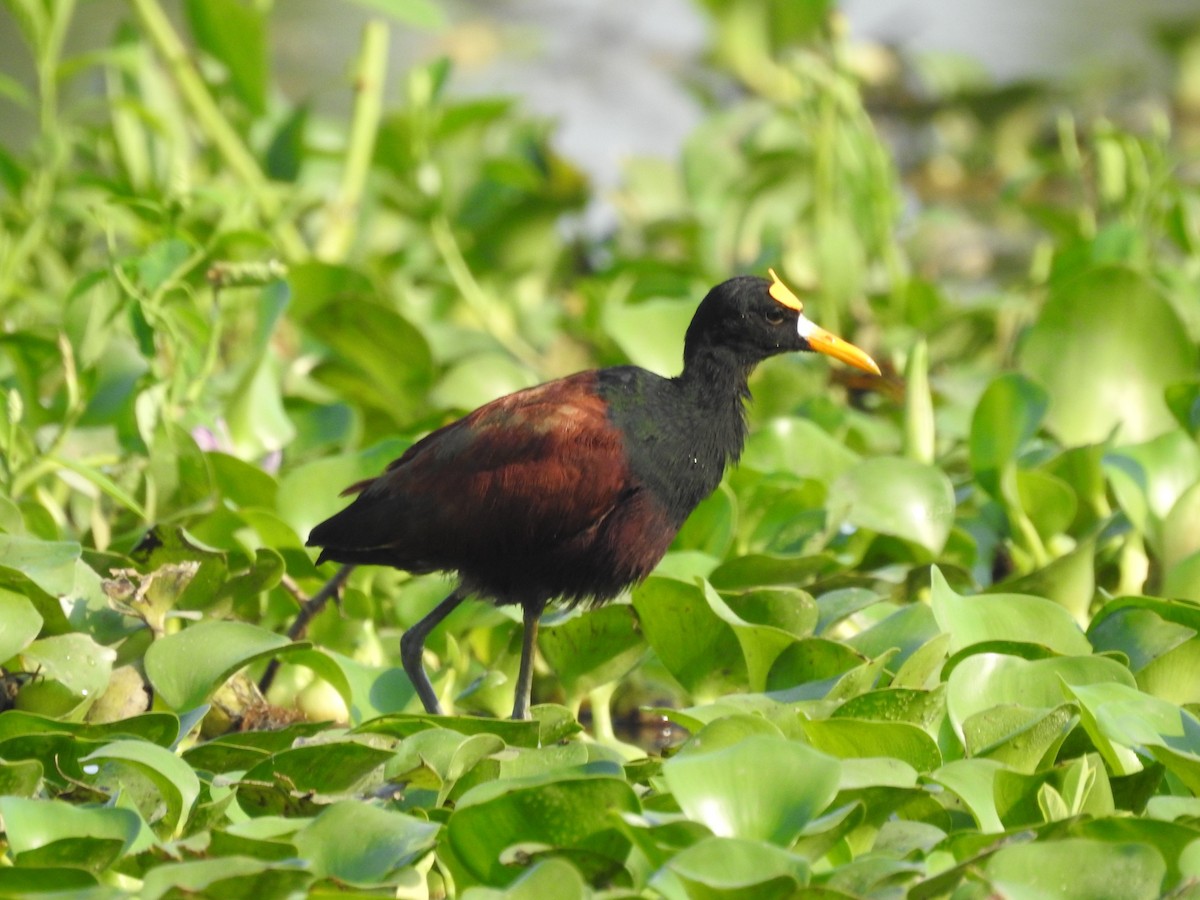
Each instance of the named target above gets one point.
<point>575,489</point>
<point>528,498</point>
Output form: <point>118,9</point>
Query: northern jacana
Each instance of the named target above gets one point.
<point>573,490</point>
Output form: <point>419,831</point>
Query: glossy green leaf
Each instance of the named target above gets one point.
<point>19,623</point>
<point>799,447</point>
<point>897,497</point>
<point>592,648</point>
<point>363,845</point>
<point>732,867</point>
<point>845,737</point>
<point>54,832</point>
<point>1102,375</point>
<point>1006,417</point>
<point>699,649</point>
<point>235,34</point>
<point>1078,869</point>
<point>761,788</point>
<point>230,876</point>
<point>988,680</point>
<point>175,780</point>
<point>573,813</point>
<point>185,668</point>
<point>1004,617</point>
<point>74,661</point>
<point>298,780</point>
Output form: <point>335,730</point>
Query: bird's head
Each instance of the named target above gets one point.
<point>754,318</point>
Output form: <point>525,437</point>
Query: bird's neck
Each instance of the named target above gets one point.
<point>714,388</point>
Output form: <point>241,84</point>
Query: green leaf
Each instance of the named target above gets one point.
<point>74,661</point>
<point>849,738</point>
<point>1078,869</point>
<point>592,648</point>
<point>799,447</point>
<point>298,780</point>
<point>363,845</point>
<point>185,668</point>
<point>572,814</point>
<point>229,876</point>
<point>19,624</point>
<point>897,497</point>
<point>48,564</point>
<point>234,33</point>
<point>1004,617</point>
<point>1006,417</point>
<point>699,649</point>
<point>53,832</point>
<point>176,781</point>
<point>1101,374</point>
<point>761,788</point>
<point>731,867</point>
<point>987,680</point>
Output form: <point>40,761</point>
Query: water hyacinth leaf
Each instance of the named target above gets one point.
<point>1006,417</point>
<point>732,867</point>
<point>924,708</point>
<point>186,667</point>
<point>1069,581</point>
<point>50,832</point>
<point>1181,528</point>
<point>1175,675</point>
<point>363,845</point>
<point>1149,478</point>
<point>48,564</point>
<point>1078,869</point>
<point>855,738</point>
<point>988,680</point>
<point>799,447</point>
<point>547,878</point>
<point>230,876</point>
<point>1003,617</point>
<point>175,780</point>
<point>761,788</point>
<point>650,333</point>
<point>973,782</point>
<point>1101,374</point>
<point>897,497</point>
<point>299,780</point>
<point>1183,400</point>
<point>762,570</point>
<point>19,623</point>
<point>813,661</point>
<point>762,641</point>
<point>699,650</point>
<point>590,649</point>
<point>572,813</point>
<point>21,778</point>
<point>1049,502</point>
<point>1120,719</point>
<point>74,661</point>
<point>1183,578</point>
<point>1018,736</point>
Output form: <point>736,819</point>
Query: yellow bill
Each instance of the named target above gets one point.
<point>817,337</point>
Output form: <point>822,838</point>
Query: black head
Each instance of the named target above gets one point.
<point>749,319</point>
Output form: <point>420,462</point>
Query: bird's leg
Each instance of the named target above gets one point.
<point>532,613</point>
<point>412,647</point>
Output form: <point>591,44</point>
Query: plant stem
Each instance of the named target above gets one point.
<point>208,117</point>
<point>342,211</point>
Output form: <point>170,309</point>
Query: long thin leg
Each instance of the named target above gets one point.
<point>532,613</point>
<point>412,648</point>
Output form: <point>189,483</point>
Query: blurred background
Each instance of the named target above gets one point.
<point>623,80</point>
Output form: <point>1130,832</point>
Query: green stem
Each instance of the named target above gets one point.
<point>600,701</point>
<point>342,212</point>
<point>227,142</point>
<point>475,297</point>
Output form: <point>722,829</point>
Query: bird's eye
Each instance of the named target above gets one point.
<point>774,317</point>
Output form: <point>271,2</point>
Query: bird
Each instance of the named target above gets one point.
<point>573,490</point>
